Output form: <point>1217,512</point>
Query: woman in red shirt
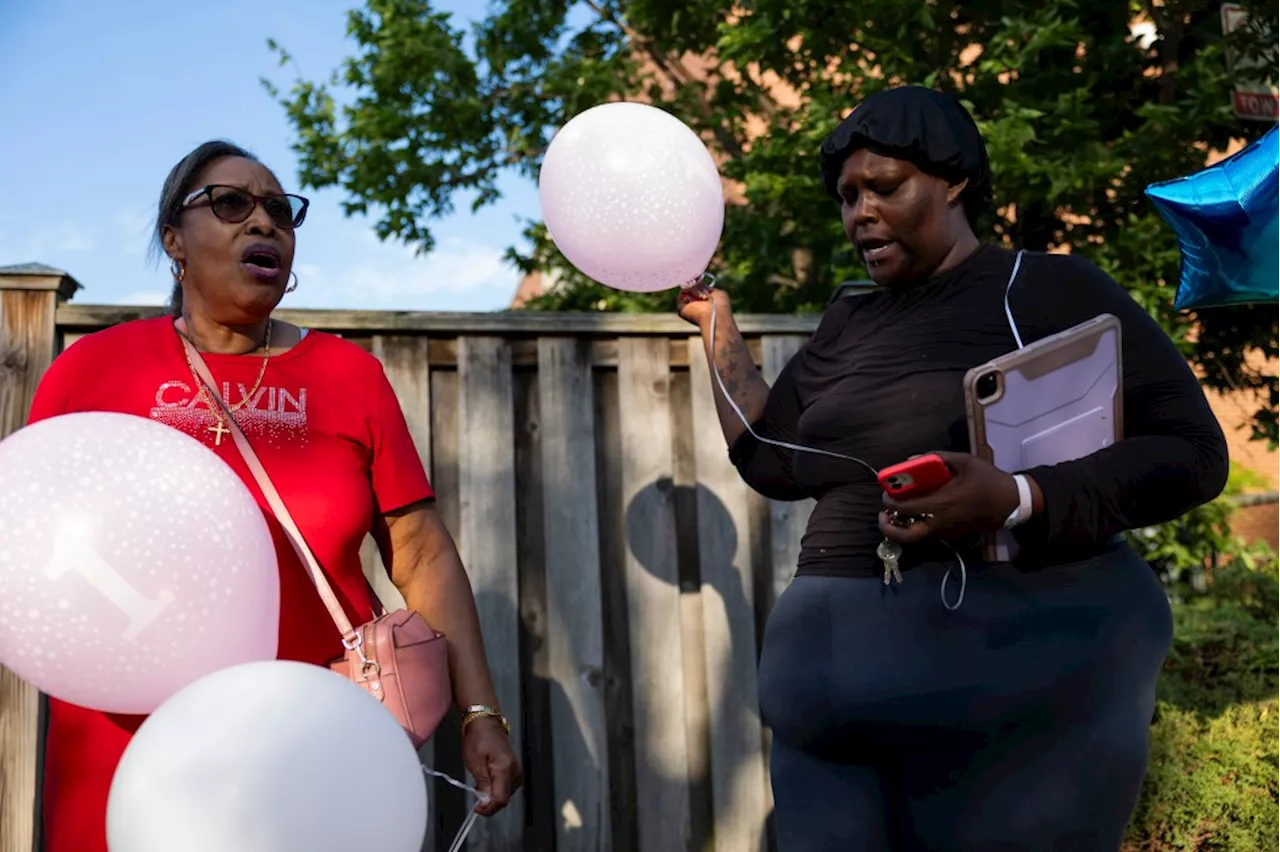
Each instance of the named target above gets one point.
<point>322,416</point>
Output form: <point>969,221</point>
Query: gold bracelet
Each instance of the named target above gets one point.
<point>482,711</point>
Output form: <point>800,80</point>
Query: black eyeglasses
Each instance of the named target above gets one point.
<point>233,204</point>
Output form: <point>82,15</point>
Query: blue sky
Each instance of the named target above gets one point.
<point>98,100</point>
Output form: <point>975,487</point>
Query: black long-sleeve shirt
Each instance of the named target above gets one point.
<point>881,380</point>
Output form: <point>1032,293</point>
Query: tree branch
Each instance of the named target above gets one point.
<point>1169,63</point>
<point>765,101</point>
<point>677,75</point>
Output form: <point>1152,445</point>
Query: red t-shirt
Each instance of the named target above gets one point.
<point>330,433</point>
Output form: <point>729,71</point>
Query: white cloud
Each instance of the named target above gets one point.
<point>373,274</point>
<point>45,243</point>
<point>140,297</point>
<point>61,238</point>
<point>341,265</point>
<point>134,225</point>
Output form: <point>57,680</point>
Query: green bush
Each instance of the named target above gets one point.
<point>1183,551</point>
<point>1212,782</point>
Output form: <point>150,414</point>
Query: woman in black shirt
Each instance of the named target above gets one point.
<point>1017,717</point>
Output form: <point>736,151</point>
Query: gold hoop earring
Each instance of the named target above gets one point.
<point>293,277</point>
<point>177,270</point>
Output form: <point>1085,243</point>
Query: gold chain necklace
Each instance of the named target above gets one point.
<point>219,429</point>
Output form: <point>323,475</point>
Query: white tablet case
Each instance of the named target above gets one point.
<point>1057,400</point>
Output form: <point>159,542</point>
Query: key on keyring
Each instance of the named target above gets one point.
<point>890,552</point>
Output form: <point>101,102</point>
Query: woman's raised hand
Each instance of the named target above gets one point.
<point>694,305</point>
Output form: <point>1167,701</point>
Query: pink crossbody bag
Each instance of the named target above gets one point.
<point>397,658</point>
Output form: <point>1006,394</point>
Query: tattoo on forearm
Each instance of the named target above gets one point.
<point>743,386</point>
<point>736,371</point>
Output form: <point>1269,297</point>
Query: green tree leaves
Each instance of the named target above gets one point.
<point>1080,115</point>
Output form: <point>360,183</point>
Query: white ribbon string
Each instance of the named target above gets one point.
<point>470,821</point>
<point>715,371</point>
<point>1013,326</point>
<point>738,411</point>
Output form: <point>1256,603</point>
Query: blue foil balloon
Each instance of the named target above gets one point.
<point>1226,221</point>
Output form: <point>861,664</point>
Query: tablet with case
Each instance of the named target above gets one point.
<point>1055,400</point>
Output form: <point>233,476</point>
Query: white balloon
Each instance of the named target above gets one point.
<point>133,561</point>
<point>631,196</point>
<point>269,757</point>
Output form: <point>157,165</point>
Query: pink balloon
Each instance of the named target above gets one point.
<point>632,198</point>
<point>133,561</point>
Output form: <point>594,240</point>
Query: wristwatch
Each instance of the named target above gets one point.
<point>1022,513</point>
<point>482,711</point>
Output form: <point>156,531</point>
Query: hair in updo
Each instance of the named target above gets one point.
<point>925,127</point>
<point>180,182</point>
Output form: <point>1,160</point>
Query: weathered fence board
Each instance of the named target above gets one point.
<point>619,707</point>
<point>446,442</point>
<point>539,688</point>
<point>26,350</point>
<point>575,633</point>
<point>653,599</point>
<point>621,568</point>
<point>729,625</point>
<point>697,712</point>
<point>487,497</point>
<point>27,347</point>
<point>404,359</point>
<point>587,323</point>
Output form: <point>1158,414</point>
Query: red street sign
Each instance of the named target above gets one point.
<point>1255,105</point>
<point>1253,101</point>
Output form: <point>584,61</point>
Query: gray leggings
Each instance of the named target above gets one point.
<point>1018,722</point>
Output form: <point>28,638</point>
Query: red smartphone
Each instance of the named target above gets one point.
<point>915,477</point>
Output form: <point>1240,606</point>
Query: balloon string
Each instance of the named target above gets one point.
<point>715,370</point>
<point>470,821</point>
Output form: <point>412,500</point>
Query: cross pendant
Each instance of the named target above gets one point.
<point>219,430</point>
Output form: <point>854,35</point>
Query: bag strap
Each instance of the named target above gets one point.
<point>350,637</point>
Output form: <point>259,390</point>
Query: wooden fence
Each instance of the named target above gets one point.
<point>622,570</point>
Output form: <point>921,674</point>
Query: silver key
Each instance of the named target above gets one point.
<point>890,552</point>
